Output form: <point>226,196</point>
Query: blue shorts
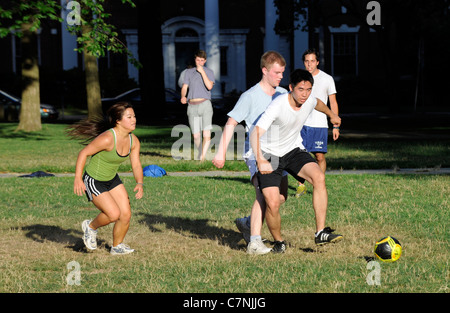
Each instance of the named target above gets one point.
<point>315,139</point>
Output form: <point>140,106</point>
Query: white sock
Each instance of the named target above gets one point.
<point>317,234</point>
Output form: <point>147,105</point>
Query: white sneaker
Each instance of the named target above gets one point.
<point>241,224</point>
<point>89,235</point>
<point>257,247</point>
<point>120,249</point>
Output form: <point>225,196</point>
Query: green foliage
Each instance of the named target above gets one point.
<point>101,35</point>
<point>14,15</point>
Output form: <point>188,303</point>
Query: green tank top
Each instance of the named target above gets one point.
<point>104,165</point>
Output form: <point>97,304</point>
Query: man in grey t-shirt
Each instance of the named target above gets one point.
<point>196,92</point>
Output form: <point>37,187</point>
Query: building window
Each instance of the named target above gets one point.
<point>345,56</point>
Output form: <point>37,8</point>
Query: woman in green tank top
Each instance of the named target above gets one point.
<point>110,143</point>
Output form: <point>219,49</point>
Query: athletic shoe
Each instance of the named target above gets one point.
<point>89,235</point>
<point>279,247</point>
<point>241,224</point>
<point>257,247</point>
<point>301,190</point>
<point>121,249</point>
<point>327,236</point>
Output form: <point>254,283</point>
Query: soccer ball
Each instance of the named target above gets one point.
<point>388,249</point>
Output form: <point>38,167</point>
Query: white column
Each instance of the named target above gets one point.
<point>212,43</point>
<point>131,36</point>
<point>169,61</point>
<point>271,38</point>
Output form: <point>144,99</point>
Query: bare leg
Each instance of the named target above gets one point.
<point>115,207</point>
<point>206,143</point>
<point>273,218</point>
<point>314,175</point>
<point>320,157</point>
<point>198,145</point>
<point>258,210</point>
<point>122,225</point>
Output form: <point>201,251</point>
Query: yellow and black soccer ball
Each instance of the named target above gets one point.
<point>388,249</point>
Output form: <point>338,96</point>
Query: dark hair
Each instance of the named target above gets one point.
<point>300,75</point>
<point>200,54</point>
<point>310,51</point>
<point>88,129</point>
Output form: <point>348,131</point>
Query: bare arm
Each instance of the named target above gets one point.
<point>137,167</point>
<point>334,118</point>
<point>184,93</point>
<point>228,132</point>
<point>263,165</point>
<point>334,107</point>
<point>208,83</point>
<point>104,141</point>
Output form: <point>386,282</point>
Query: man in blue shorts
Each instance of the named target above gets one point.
<point>277,146</point>
<point>315,131</point>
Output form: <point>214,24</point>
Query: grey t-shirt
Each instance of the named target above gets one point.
<point>194,80</point>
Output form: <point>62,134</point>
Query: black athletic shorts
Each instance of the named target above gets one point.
<point>96,187</point>
<point>292,162</point>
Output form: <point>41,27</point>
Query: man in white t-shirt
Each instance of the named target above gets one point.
<point>315,131</point>
<point>248,109</point>
<point>277,146</point>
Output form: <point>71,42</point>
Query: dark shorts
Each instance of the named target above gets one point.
<point>96,187</point>
<point>315,139</point>
<point>292,162</point>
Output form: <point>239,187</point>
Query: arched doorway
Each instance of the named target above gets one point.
<point>182,36</point>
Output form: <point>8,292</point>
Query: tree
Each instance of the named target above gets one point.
<point>95,37</point>
<point>23,19</point>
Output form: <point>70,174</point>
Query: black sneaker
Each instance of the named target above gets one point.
<point>326,236</point>
<point>279,247</point>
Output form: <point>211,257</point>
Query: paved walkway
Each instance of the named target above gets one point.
<point>434,171</point>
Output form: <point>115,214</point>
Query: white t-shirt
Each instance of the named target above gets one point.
<point>250,106</point>
<point>322,88</point>
<point>283,124</point>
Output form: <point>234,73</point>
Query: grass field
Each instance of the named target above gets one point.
<point>51,150</point>
<point>186,241</point>
<point>184,234</point>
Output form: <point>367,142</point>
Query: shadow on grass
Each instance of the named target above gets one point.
<point>8,131</point>
<point>72,238</point>
<point>246,180</point>
<point>199,228</point>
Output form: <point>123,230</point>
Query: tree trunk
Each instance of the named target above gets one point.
<point>30,115</point>
<point>94,101</point>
